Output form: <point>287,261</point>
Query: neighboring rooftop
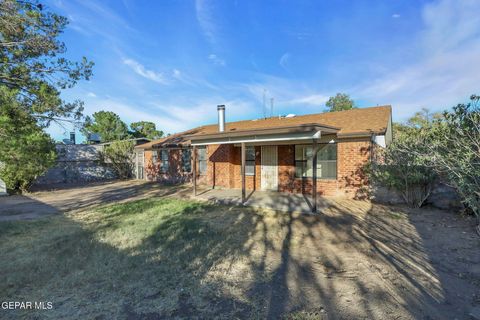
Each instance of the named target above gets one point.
<point>351,122</point>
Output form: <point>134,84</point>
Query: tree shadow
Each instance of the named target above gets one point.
<point>356,260</point>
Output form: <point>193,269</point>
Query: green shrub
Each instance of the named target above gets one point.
<point>454,150</point>
<point>26,151</point>
<point>119,156</point>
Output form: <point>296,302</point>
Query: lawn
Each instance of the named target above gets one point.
<point>142,257</point>
<point>175,258</point>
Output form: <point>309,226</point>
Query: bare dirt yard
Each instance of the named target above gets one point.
<point>139,251</point>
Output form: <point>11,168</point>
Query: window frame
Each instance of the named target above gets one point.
<point>164,162</point>
<point>189,162</point>
<point>200,160</point>
<point>250,162</point>
<point>305,163</point>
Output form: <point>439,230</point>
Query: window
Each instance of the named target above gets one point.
<point>202,160</point>
<point>186,160</point>
<point>326,161</point>
<point>154,156</point>
<point>164,160</point>
<point>250,161</point>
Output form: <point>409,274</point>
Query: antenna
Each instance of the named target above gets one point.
<point>271,107</point>
<point>264,107</point>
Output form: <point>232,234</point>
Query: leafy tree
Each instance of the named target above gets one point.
<point>145,129</point>
<point>26,151</point>
<point>341,101</point>
<point>120,156</point>
<point>32,62</point>
<point>107,124</point>
<point>33,71</point>
<point>454,150</point>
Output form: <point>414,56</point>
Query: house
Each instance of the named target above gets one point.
<point>276,153</point>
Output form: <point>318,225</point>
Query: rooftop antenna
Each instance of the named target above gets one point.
<point>264,107</point>
<point>271,107</point>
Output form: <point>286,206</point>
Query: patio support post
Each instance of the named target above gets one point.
<point>314,175</point>
<point>243,172</point>
<point>194,171</point>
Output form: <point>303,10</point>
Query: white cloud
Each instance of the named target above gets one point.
<point>177,74</point>
<point>287,94</point>
<point>91,95</point>
<point>284,60</point>
<point>130,113</point>
<point>216,60</point>
<point>204,111</point>
<point>204,13</point>
<point>144,72</point>
<point>395,15</point>
<point>447,69</point>
<point>312,100</point>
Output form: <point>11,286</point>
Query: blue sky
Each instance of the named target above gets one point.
<point>172,62</point>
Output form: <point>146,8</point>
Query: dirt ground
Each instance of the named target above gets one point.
<point>77,197</point>
<point>356,260</point>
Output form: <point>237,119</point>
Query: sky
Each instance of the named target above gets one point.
<point>172,62</point>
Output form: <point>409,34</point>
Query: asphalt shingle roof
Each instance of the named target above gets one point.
<point>354,121</point>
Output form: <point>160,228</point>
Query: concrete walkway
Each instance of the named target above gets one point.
<point>278,201</point>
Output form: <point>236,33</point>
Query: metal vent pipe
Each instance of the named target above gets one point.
<point>221,118</point>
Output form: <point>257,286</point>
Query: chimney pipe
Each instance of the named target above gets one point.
<point>221,118</point>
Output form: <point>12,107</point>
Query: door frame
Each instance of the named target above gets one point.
<point>263,183</point>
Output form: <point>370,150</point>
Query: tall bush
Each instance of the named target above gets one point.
<point>26,151</point>
<point>119,156</point>
<point>455,150</point>
<point>402,168</point>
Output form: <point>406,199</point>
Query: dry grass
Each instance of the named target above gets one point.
<point>173,258</point>
<point>139,257</point>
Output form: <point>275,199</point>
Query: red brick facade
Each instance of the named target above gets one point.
<point>224,167</point>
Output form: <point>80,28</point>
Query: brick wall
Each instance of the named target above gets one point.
<point>351,156</point>
<point>224,169</point>
<point>174,173</point>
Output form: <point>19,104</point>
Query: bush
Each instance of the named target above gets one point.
<point>455,151</point>
<point>119,156</point>
<point>26,151</point>
<point>400,168</point>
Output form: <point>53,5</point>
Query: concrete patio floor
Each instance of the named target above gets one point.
<point>278,201</point>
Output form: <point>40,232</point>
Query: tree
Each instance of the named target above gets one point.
<point>454,150</point>
<point>107,124</point>
<point>145,129</point>
<point>26,151</point>
<point>33,71</point>
<point>32,62</point>
<point>120,156</point>
<point>341,101</point>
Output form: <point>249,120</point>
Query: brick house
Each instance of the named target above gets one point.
<point>275,153</point>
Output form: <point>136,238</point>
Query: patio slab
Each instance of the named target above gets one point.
<point>278,201</point>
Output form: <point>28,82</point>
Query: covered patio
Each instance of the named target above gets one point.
<point>273,200</point>
<point>310,133</point>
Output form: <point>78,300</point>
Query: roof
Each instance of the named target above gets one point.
<point>136,140</point>
<point>354,122</point>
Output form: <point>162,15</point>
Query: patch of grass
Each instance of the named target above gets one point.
<point>120,259</point>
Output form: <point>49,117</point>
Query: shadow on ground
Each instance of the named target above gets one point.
<point>167,258</point>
